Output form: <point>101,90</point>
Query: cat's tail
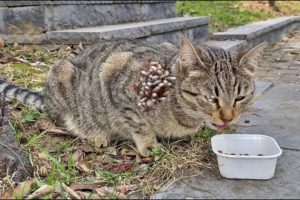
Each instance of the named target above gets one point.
<point>25,96</point>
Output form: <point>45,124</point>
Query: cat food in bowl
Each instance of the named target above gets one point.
<point>246,156</point>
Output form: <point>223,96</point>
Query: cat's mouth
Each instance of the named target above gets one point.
<point>220,127</point>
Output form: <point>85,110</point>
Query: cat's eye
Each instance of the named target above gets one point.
<point>190,93</point>
<point>239,98</point>
<point>212,99</point>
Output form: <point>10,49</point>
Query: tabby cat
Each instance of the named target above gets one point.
<point>91,96</point>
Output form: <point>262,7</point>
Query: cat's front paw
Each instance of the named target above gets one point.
<point>98,141</point>
<point>145,149</point>
<point>144,142</point>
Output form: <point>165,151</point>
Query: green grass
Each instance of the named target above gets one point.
<point>225,14</point>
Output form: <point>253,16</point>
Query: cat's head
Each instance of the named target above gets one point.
<point>216,84</point>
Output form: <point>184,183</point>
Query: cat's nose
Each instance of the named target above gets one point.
<point>226,115</point>
<point>226,121</point>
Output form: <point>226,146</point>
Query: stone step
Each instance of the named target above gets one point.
<point>12,3</point>
<point>229,45</point>
<point>269,30</point>
<point>38,17</point>
<point>162,30</point>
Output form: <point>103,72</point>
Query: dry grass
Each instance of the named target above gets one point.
<point>63,164</point>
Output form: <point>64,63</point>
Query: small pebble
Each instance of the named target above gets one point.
<point>171,78</point>
<point>154,63</point>
<point>143,99</point>
<point>162,98</point>
<point>157,88</point>
<point>149,103</point>
<point>156,82</point>
<point>144,73</point>
<point>153,68</point>
<point>159,72</point>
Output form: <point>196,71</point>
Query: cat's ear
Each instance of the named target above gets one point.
<point>189,57</point>
<point>249,60</point>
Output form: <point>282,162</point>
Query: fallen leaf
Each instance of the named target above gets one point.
<point>61,187</point>
<point>128,152</point>
<point>125,188</point>
<point>122,189</point>
<point>17,46</point>
<point>79,186</point>
<point>1,44</point>
<point>80,46</point>
<point>77,155</point>
<point>104,159</point>
<point>43,171</point>
<point>20,191</point>
<point>142,168</point>
<point>83,166</point>
<point>46,125</point>
<point>105,191</point>
<point>148,160</point>
<point>119,168</point>
<point>87,195</point>
<point>111,151</point>
<point>86,148</point>
<point>43,156</point>
<point>42,191</point>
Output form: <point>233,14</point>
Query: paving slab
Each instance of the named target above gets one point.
<point>284,185</point>
<point>261,87</point>
<point>279,112</point>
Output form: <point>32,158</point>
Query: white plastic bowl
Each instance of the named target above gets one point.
<point>243,166</point>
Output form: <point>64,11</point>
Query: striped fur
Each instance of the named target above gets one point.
<point>26,96</point>
<point>91,94</point>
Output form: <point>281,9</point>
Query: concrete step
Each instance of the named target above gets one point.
<point>162,30</point>
<point>38,17</point>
